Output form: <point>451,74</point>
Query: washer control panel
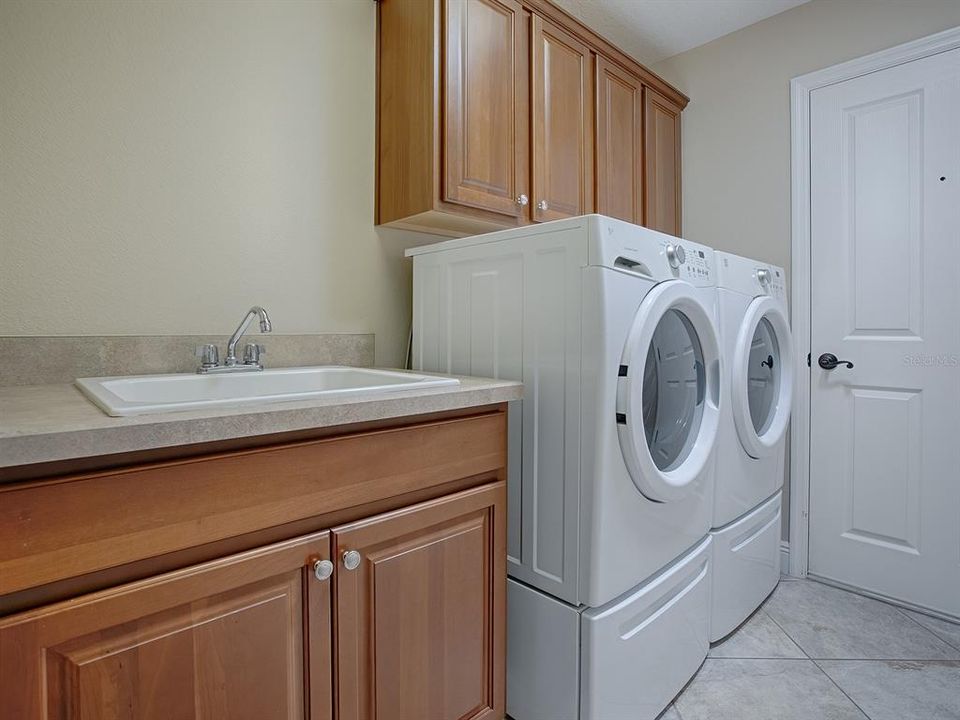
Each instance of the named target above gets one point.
<point>689,263</point>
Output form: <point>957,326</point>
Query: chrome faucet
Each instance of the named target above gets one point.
<point>209,356</point>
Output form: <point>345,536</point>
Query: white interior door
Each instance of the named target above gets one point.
<point>885,269</point>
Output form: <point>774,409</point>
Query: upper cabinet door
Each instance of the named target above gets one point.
<point>421,611</point>
<point>662,141</point>
<point>619,143</point>
<point>562,124</point>
<point>226,639</point>
<point>485,105</point>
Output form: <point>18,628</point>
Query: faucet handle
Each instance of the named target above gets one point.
<point>252,353</point>
<point>209,355</point>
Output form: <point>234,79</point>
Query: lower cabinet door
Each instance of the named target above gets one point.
<point>243,637</point>
<point>420,601</point>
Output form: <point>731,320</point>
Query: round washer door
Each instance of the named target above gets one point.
<point>762,377</point>
<point>667,401</point>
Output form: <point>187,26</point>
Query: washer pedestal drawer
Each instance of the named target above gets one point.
<point>746,566</point>
<point>625,660</point>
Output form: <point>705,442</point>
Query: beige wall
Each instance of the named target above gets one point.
<point>165,165</point>
<point>736,130</point>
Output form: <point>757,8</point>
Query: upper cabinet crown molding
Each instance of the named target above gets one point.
<point>498,113</point>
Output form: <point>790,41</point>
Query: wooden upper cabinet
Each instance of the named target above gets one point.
<point>485,105</point>
<point>227,639</point>
<point>562,123</point>
<point>421,619</point>
<point>662,144</point>
<point>487,118</point>
<point>619,143</point>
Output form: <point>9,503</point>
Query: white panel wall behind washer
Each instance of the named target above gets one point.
<point>507,305</point>
<point>746,566</point>
<point>625,537</point>
<point>543,657</point>
<point>639,651</point>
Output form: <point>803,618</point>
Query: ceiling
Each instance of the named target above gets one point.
<point>653,30</point>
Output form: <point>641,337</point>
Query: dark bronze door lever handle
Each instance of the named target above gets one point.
<point>828,361</point>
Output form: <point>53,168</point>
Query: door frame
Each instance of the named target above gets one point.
<point>801,88</point>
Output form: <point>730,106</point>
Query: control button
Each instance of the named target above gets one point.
<point>676,255</point>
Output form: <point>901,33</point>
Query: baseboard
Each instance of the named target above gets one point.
<point>784,557</point>
<point>885,598</point>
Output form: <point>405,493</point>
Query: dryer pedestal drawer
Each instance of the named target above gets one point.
<point>625,660</point>
<point>746,566</point>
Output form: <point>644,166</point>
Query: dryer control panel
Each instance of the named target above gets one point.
<point>753,278</point>
<point>770,280</point>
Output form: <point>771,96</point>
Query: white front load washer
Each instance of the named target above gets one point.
<point>612,329</point>
<point>755,400</point>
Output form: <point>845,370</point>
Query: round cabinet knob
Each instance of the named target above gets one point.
<point>351,559</point>
<point>523,200</point>
<point>676,255</point>
<point>542,205</point>
<point>323,569</point>
<point>763,276</point>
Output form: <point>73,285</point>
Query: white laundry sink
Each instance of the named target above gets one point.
<point>139,394</point>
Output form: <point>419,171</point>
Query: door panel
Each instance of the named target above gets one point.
<point>562,124</point>
<point>885,218</point>
<point>484,104</point>
<point>661,130</point>
<point>223,640</point>
<point>619,143</point>
<point>420,621</point>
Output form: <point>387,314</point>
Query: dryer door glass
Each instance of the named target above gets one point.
<point>763,376</point>
<point>674,387</point>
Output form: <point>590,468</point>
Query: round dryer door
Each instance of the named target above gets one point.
<point>667,393</point>
<point>762,377</point>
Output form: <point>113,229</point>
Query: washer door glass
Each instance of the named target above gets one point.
<point>667,392</point>
<point>674,388</point>
<point>763,376</point>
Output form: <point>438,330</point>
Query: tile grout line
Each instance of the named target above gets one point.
<point>837,686</point>
<point>937,635</point>
<point>789,636</point>
<point>817,665</point>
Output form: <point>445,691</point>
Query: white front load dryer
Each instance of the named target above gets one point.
<point>755,400</point>
<point>612,329</point>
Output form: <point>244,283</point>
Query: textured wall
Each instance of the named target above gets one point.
<point>165,165</point>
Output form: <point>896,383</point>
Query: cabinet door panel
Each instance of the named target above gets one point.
<point>219,640</point>
<point>484,104</point>
<point>562,124</point>
<point>619,143</point>
<point>662,140</point>
<point>420,623</point>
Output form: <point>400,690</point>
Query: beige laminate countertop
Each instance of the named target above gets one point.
<point>47,423</point>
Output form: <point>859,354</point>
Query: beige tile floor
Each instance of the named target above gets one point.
<point>814,652</point>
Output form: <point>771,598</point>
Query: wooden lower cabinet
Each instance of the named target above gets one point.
<point>226,639</point>
<point>419,630</point>
<point>421,620</point>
